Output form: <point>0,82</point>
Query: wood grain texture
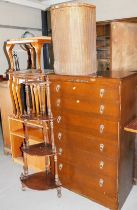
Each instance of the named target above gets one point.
<point>74,38</point>
<point>79,140</point>
<point>124,46</point>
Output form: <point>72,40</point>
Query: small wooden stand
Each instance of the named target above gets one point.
<point>35,45</point>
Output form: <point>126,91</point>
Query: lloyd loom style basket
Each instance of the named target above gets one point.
<point>74,38</point>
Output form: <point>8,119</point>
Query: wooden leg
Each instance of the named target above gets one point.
<point>57,181</point>
<point>22,184</point>
<point>25,166</point>
<point>59,192</point>
<point>37,47</point>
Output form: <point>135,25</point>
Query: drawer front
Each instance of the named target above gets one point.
<point>80,180</point>
<point>95,91</point>
<point>86,124</point>
<point>92,164</point>
<point>102,108</point>
<point>72,140</point>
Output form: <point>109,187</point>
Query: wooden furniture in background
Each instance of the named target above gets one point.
<point>95,151</point>
<point>117,46</point>
<point>6,109</point>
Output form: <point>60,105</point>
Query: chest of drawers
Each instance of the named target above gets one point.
<point>96,154</point>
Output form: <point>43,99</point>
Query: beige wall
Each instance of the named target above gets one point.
<point>114,9</point>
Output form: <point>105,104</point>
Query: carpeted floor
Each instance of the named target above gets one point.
<point>13,198</point>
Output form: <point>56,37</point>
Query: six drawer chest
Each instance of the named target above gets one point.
<point>95,153</point>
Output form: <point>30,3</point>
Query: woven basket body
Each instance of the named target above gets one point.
<point>74,38</point>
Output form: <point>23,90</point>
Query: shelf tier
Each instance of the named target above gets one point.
<point>132,126</point>
<point>35,123</point>
<point>40,181</point>
<point>35,135</point>
<point>41,149</point>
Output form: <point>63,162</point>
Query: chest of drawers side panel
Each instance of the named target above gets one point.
<point>127,140</point>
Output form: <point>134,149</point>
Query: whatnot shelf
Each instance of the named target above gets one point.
<point>41,149</point>
<point>40,181</point>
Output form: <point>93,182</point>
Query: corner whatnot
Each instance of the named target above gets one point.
<point>32,122</point>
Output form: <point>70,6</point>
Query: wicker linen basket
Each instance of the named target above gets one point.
<point>74,38</point>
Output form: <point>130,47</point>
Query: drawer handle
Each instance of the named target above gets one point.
<point>101,164</point>
<point>74,88</point>
<point>101,147</point>
<point>59,135</point>
<point>102,91</point>
<point>60,151</point>
<point>101,182</point>
<point>58,102</point>
<point>58,119</point>
<point>77,101</point>
<point>60,166</point>
<point>101,109</point>
<point>101,128</point>
<point>58,88</point>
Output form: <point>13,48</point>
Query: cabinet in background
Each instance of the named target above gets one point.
<point>116,46</point>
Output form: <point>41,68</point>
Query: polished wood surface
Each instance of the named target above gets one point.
<point>94,150</point>
<point>40,181</point>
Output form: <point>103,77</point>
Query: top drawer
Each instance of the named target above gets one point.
<point>95,90</point>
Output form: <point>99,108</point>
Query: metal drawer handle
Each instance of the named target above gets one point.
<point>101,109</point>
<point>102,91</point>
<point>101,182</point>
<point>60,166</point>
<point>101,147</point>
<point>60,151</point>
<point>101,128</point>
<point>58,88</point>
<point>58,102</point>
<point>101,164</point>
<point>58,119</point>
<point>74,88</point>
<point>59,135</point>
<point>77,101</point>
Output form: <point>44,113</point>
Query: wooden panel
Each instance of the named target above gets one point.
<point>124,47</point>
<point>127,143</point>
<point>6,109</point>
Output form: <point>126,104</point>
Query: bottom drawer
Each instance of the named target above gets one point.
<point>79,180</point>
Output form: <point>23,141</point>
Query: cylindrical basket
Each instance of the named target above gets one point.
<point>74,38</point>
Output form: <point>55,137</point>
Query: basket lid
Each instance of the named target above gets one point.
<point>72,4</point>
